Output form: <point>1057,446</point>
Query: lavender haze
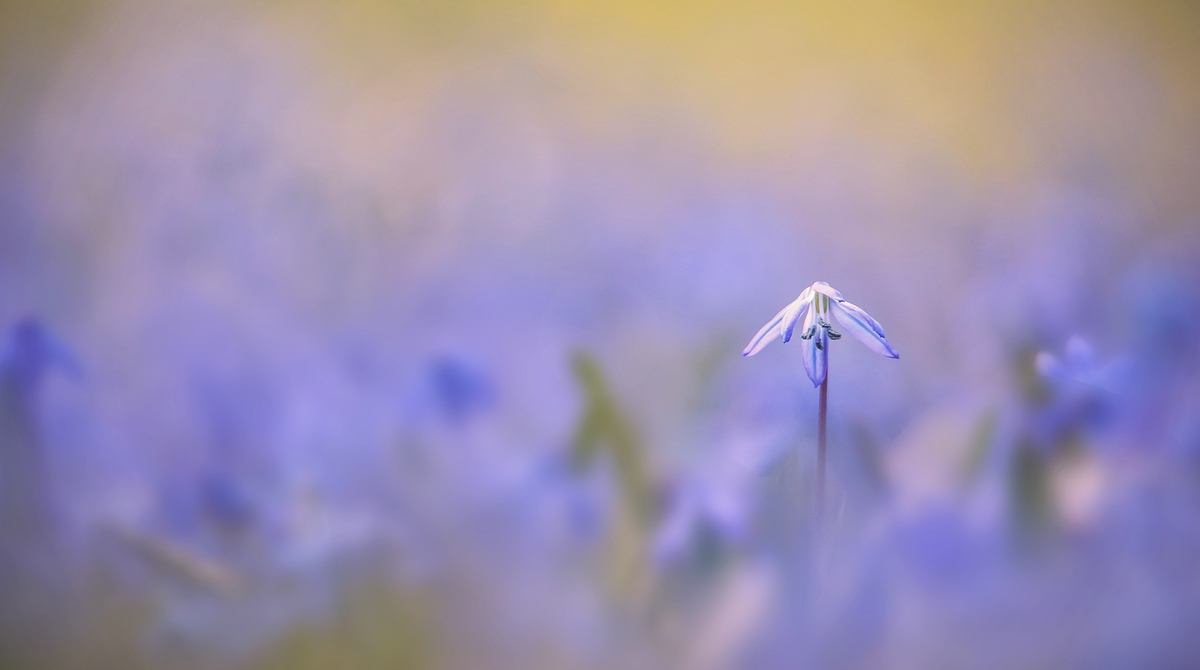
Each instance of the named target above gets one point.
<point>406,334</point>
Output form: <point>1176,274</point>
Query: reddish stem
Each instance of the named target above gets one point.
<point>821,411</point>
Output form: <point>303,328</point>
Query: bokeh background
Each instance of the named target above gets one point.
<point>407,334</point>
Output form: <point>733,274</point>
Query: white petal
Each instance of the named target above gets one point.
<point>870,320</point>
<point>1048,365</point>
<point>796,310</point>
<point>816,360</point>
<point>860,324</point>
<point>825,289</point>
<point>766,334</point>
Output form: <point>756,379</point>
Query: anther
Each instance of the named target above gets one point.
<point>834,335</point>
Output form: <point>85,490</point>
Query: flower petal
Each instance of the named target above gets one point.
<point>875,326</point>
<point>860,324</point>
<point>796,310</point>
<point>825,289</point>
<point>816,358</point>
<point>766,334</point>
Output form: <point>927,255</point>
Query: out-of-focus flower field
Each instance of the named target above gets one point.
<point>407,334</point>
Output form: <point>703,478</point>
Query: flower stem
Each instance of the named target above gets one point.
<point>823,404</point>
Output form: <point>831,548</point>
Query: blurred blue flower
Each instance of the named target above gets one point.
<point>461,390</point>
<point>1081,365</point>
<point>815,305</point>
<point>698,509</point>
<point>226,502</point>
<point>29,351</point>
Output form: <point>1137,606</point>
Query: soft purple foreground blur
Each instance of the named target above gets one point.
<point>408,335</point>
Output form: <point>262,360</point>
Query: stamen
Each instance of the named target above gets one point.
<point>834,335</point>
<point>809,333</point>
<point>818,343</point>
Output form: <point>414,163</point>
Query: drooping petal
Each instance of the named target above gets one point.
<point>766,334</point>
<point>816,351</point>
<point>1080,355</point>
<point>1048,365</point>
<point>825,289</point>
<point>875,326</point>
<point>860,324</point>
<point>795,312</point>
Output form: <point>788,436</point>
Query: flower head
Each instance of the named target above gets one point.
<point>815,306</point>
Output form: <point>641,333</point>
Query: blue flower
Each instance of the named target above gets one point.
<point>461,389</point>
<point>815,305</point>
<point>700,510</point>
<point>1082,365</point>
<point>29,351</point>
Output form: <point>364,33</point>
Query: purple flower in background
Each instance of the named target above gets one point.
<point>30,350</point>
<point>1080,365</point>
<point>27,354</point>
<point>815,305</point>
<point>461,390</point>
<point>696,508</point>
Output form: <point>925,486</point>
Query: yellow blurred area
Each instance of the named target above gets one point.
<point>753,72</point>
<point>999,93</point>
<point>1000,90</point>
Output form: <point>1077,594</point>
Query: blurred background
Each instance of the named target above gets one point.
<point>407,334</point>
